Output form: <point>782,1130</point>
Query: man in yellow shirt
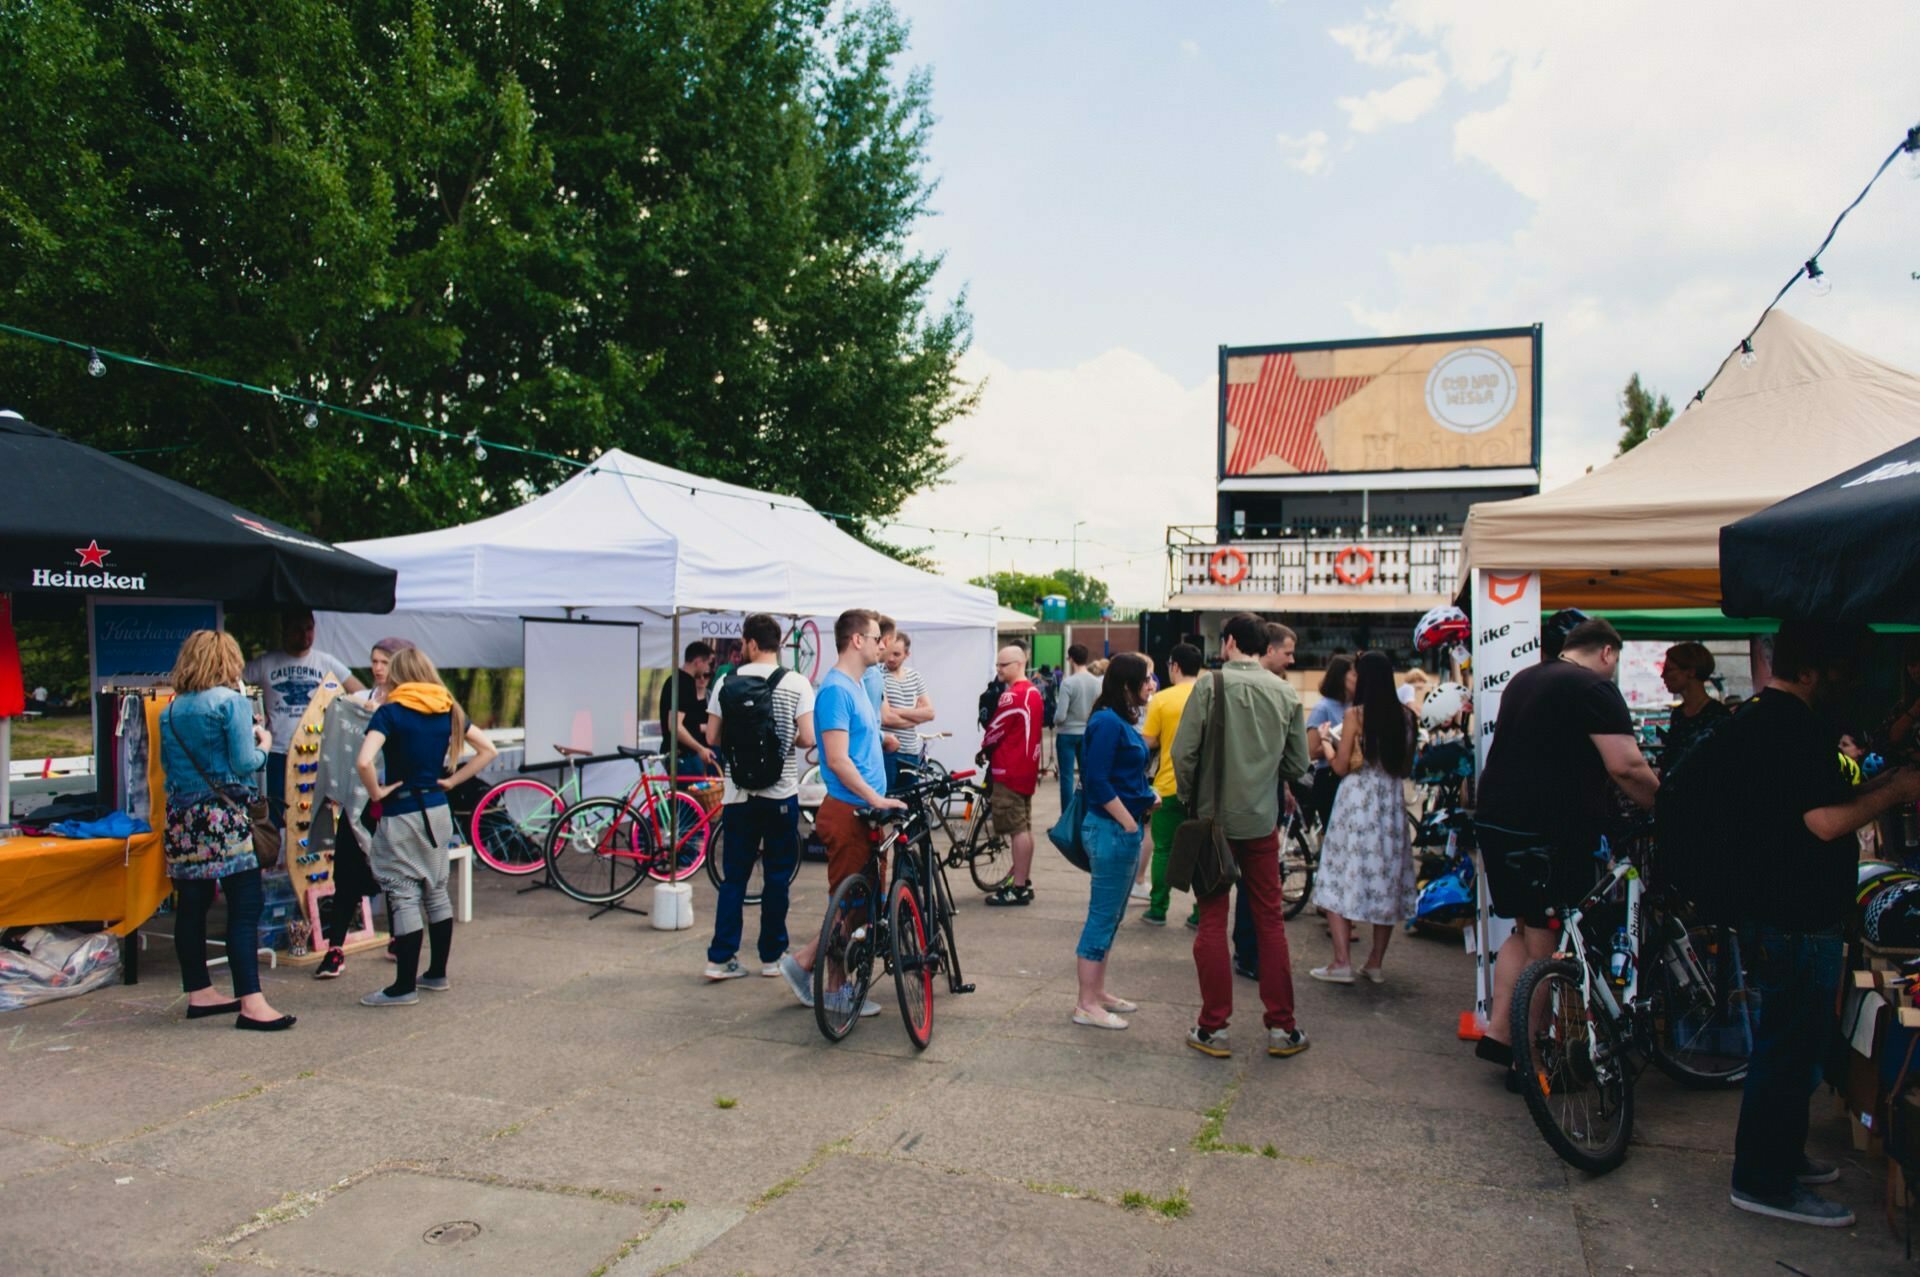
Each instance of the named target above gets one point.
<point>1162,721</point>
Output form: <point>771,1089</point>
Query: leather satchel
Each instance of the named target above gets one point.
<point>266,834</point>
<point>1202,862</point>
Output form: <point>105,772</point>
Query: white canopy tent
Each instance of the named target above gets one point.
<point>631,540</point>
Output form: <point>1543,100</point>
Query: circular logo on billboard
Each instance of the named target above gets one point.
<point>1471,390</point>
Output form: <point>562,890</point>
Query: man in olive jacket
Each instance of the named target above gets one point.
<point>1266,742</point>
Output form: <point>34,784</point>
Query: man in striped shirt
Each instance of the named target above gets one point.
<point>908,705</point>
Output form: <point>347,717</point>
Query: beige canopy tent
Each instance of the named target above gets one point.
<point>1643,531</point>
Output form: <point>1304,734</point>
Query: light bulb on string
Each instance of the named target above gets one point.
<point>1748,355</point>
<point>96,366</point>
<point>1817,282</point>
<point>1910,162</point>
<point>311,418</point>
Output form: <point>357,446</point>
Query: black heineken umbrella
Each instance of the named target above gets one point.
<point>1844,550</point>
<point>78,522</point>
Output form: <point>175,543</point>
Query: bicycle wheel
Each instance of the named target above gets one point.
<point>1297,862</point>
<point>510,826</point>
<point>989,858</point>
<point>843,964</point>
<point>1703,1028</point>
<point>599,851</point>
<point>912,966</point>
<point>681,832</point>
<point>946,952</point>
<point>1569,1060</point>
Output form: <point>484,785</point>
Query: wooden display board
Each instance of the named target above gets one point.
<point>303,756</point>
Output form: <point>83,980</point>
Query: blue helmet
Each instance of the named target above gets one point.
<point>1443,895</point>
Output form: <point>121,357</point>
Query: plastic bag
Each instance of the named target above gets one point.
<point>44,964</point>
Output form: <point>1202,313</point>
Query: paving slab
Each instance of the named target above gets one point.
<point>24,1155</point>
<point>110,1217</point>
<point>399,1224</point>
<point>106,1100</point>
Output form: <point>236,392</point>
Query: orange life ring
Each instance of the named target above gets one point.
<point>1220,556</point>
<point>1347,575</point>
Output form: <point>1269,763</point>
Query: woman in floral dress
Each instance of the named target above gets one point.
<point>1366,860</point>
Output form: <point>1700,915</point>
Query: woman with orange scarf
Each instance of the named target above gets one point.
<point>419,733</point>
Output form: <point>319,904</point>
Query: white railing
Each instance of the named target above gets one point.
<point>1302,565</point>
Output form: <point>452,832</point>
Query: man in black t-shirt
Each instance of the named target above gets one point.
<point>1563,738</point>
<point>1794,815</point>
<point>689,721</point>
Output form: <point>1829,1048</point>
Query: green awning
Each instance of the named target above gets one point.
<point>1704,623</point>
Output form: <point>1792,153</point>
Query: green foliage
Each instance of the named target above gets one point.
<point>725,1102</point>
<point>1176,1205</point>
<point>1640,414</point>
<point>678,228</point>
<point>1025,590</point>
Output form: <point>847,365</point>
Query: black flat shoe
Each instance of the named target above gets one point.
<point>264,1026</point>
<point>212,1008</point>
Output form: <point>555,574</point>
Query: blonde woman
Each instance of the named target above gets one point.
<point>419,732</point>
<point>211,748</point>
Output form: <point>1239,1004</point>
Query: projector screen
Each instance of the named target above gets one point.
<point>583,686</point>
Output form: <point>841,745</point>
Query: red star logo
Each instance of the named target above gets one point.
<point>1275,416</point>
<point>93,556</point>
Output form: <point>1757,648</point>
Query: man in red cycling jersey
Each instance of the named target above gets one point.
<point>1012,749</point>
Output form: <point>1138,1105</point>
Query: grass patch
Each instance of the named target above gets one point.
<point>675,1204</point>
<point>1268,1150</point>
<point>1207,1138</point>
<point>1175,1206</point>
<point>725,1102</point>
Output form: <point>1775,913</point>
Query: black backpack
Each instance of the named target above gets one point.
<point>755,757</point>
<point>1050,701</point>
<point>990,701</point>
<point>1696,825</point>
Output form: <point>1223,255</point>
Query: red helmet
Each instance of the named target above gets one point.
<point>1445,626</point>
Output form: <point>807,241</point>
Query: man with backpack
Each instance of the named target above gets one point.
<point>1771,819</point>
<point>758,715</point>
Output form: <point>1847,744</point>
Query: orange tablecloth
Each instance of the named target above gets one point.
<point>49,880</point>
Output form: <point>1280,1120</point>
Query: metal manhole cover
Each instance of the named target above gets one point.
<point>451,1232</point>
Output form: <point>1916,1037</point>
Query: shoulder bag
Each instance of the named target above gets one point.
<point>266,834</point>
<point>1201,861</point>
<point>1066,834</point>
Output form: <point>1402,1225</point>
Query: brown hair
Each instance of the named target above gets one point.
<point>1693,658</point>
<point>208,658</point>
<point>415,666</point>
<point>851,622</point>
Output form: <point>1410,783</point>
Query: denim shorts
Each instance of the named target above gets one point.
<point>1115,855</point>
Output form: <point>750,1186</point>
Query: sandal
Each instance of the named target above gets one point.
<point>1105,1020</point>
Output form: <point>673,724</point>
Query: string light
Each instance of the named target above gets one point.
<point>311,418</point>
<point>96,366</point>
<point>1748,355</point>
<point>1817,282</point>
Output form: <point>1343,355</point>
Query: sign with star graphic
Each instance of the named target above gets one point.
<point>1381,405</point>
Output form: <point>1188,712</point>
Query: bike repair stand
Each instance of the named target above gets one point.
<point>609,908</point>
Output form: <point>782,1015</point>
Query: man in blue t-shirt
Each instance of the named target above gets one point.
<point>851,764</point>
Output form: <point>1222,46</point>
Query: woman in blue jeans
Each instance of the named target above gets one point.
<point>210,748</point>
<point>1113,772</point>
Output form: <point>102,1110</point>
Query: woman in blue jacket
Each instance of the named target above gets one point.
<point>211,748</point>
<point>1113,772</point>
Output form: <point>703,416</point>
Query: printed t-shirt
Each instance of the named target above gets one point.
<point>287,684</point>
<point>792,700</point>
<point>842,705</point>
<point>1543,773</point>
<point>904,691</point>
<point>1163,720</point>
<point>413,753</point>
<point>1012,742</point>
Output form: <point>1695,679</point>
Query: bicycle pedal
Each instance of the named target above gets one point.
<point>965,988</point>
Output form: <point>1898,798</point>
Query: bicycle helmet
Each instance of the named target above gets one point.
<point>1444,626</point>
<point>1447,896</point>
<point>1443,704</point>
<point>1554,631</point>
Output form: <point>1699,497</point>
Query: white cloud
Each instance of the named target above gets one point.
<point>1115,441</point>
<point>1308,152</point>
<point>1190,47</point>
<point>1404,103</point>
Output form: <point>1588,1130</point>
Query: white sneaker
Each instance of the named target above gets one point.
<point>771,970</point>
<point>728,970</point>
<point>799,979</point>
<point>1373,975</point>
<point>1140,892</point>
<point>1332,974</point>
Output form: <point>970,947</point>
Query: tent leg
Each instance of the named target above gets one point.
<point>6,775</point>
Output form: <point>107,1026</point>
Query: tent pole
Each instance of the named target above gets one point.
<point>6,774</point>
<point>673,708</point>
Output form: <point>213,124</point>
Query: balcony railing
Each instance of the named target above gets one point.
<point>1373,565</point>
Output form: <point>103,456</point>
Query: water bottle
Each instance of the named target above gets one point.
<point>1621,959</point>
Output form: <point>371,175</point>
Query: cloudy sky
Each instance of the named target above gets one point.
<point>1126,186</point>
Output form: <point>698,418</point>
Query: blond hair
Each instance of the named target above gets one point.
<point>208,658</point>
<point>414,666</point>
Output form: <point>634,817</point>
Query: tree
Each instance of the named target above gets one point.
<point>1640,414</point>
<point>674,227</point>
<point>1024,590</point>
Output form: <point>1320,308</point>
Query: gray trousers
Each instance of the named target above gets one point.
<point>410,860</point>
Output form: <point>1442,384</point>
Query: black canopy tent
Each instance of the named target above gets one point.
<point>1844,550</point>
<point>77,522</point>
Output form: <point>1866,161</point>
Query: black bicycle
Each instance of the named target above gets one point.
<point>1299,859</point>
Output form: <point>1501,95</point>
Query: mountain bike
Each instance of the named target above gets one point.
<point>907,928</point>
<point>1634,982</point>
<point>600,849</point>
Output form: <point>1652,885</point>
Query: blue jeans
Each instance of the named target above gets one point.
<point>277,789</point>
<point>892,763</point>
<point>1115,855</point>
<point>243,894</point>
<point>1067,750</point>
<point>767,830</point>
<point>1796,974</point>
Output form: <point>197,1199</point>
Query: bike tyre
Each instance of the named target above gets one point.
<point>716,849</point>
<point>850,901</point>
<point>989,856</point>
<point>912,966</point>
<point>505,840</point>
<point>598,851</point>
<point>680,851</point>
<point>1297,861</point>
<point>1607,1155</point>
<point>1682,1069</point>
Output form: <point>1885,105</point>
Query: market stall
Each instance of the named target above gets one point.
<point>630,540</point>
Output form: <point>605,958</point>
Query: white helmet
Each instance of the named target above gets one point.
<point>1443,704</point>
<point>1444,626</point>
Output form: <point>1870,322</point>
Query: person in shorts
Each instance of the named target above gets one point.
<point>1012,750</point>
<point>848,728</point>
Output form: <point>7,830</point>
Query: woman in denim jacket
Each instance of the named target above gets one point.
<point>1113,772</point>
<point>211,748</point>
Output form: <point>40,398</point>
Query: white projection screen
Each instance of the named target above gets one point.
<point>583,686</point>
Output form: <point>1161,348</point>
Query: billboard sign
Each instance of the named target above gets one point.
<point>1380,405</point>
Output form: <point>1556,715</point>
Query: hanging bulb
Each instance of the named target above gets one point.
<point>1910,162</point>
<point>479,451</point>
<point>394,442</point>
<point>1817,282</point>
<point>1748,355</point>
<point>96,366</point>
<point>311,418</point>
